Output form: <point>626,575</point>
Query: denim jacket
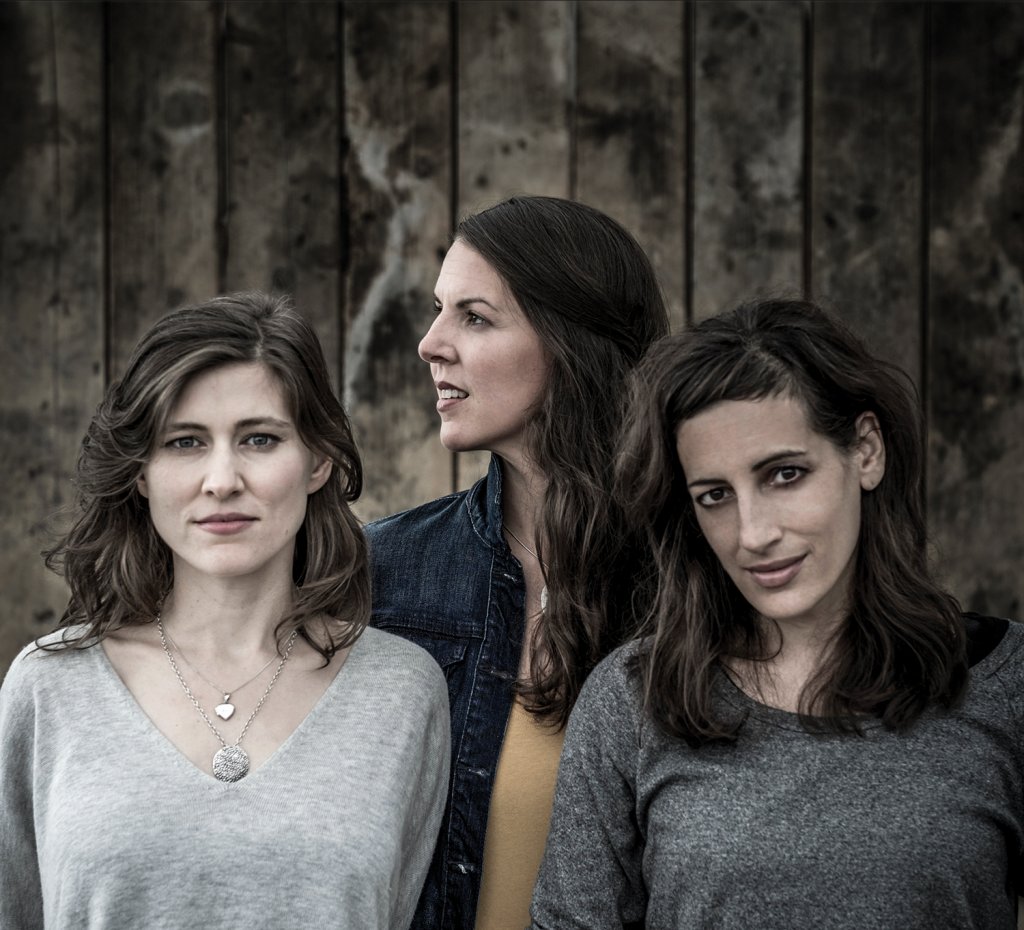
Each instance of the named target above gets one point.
<point>444,577</point>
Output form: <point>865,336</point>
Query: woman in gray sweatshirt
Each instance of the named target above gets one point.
<point>214,738</point>
<point>811,734</point>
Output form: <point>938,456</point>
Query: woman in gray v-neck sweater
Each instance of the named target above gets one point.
<point>811,734</point>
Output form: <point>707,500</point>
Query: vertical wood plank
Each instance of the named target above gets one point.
<point>51,289</point>
<point>515,80</point>
<point>163,162</point>
<point>631,127</point>
<point>975,367</point>
<point>281,136</point>
<point>398,172</point>
<point>866,210</point>
<point>748,150</point>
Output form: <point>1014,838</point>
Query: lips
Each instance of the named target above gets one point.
<point>448,396</point>
<point>225,523</point>
<point>776,574</point>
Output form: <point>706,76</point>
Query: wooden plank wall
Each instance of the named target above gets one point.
<point>870,154</point>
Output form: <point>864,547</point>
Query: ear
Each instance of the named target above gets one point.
<point>869,455</point>
<point>140,483</point>
<point>318,477</point>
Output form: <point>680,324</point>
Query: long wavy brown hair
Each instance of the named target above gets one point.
<point>589,291</point>
<point>117,567</point>
<point>901,647</point>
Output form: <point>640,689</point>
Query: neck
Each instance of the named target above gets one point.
<point>228,618</point>
<point>522,492</point>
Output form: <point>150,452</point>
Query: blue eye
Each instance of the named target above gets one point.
<point>261,440</point>
<point>182,442</point>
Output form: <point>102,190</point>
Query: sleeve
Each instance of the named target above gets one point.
<point>428,768</point>
<point>21,899</point>
<point>591,874</point>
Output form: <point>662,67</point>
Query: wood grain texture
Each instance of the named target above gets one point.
<point>163,163</point>
<point>976,351</point>
<point>398,173</point>
<point>282,138</point>
<point>868,103</point>
<point>51,290</point>
<point>631,127</point>
<point>748,150</point>
<point>515,90</point>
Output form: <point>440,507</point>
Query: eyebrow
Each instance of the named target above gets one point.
<point>756,467</point>
<point>247,423</point>
<point>469,301</point>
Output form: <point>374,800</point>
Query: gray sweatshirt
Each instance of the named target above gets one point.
<point>105,824</point>
<point>788,829</point>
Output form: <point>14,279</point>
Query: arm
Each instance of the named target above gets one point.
<point>21,898</point>
<point>428,767</point>
<point>591,876</point>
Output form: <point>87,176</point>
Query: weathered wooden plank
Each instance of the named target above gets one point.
<point>281,139</point>
<point>631,127</point>
<point>398,172</point>
<point>975,368</point>
<point>868,100</point>
<point>163,162</point>
<point>515,60</point>
<point>748,150</point>
<point>51,290</point>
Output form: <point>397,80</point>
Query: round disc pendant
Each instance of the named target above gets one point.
<point>231,764</point>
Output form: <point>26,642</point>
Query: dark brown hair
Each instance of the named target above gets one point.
<point>118,568</point>
<point>591,294</point>
<point>901,647</point>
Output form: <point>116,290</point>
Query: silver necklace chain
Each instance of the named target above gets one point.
<point>219,690</point>
<point>508,530</point>
<point>544,590</point>
<point>231,762</point>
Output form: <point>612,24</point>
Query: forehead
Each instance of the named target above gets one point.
<point>465,272</point>
<point>237,390</point>
<point>738,433</point>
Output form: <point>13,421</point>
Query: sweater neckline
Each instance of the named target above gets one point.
<point>149,731</point>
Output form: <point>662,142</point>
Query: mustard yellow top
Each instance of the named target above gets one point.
<point>517,823</point>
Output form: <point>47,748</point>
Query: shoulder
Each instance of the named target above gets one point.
<point>48,657</point>
<point>397,663</point>
<point>611,698</point>
<point>434,516</point>
<point>40,679</point>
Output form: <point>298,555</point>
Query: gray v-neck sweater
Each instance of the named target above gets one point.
<point>105,824</point>
<point>786,829</point>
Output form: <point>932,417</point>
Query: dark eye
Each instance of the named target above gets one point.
<point>712,497</point>
<point>786,474</point>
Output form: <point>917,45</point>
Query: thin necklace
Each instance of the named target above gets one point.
<point>230,763</point>
<point>544,590</point>
<point>226,709</point>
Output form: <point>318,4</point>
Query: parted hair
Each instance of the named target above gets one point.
<point>118,568</point>
<point>589,291</point>
<point>901,646</point>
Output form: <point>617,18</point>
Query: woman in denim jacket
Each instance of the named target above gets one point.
<point>520,585</point>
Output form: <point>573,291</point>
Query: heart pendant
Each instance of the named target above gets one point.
<point>224,711</point>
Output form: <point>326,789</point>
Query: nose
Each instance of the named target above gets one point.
<point>222,478</point>
<point>436,345</point>
<point>759,527</point>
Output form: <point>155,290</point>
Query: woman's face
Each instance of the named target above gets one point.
<point>779,503</point>
<point>228,480</point>
<point>488,363</point>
